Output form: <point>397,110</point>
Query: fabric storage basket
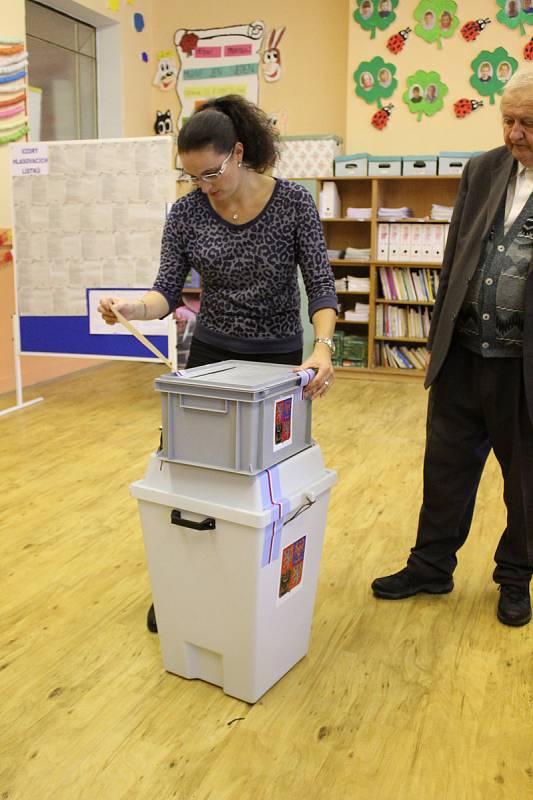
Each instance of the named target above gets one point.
<point>419,165</point>
<point>381,166</point>
<point>240,416</point>
<point>308,156</point>
<point>351,166</point>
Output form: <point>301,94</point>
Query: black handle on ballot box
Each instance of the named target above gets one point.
<point>207,524</point>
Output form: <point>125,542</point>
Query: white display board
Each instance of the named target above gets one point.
<point>93,221</point>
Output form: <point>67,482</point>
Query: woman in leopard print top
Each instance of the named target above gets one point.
<point>246,233</point>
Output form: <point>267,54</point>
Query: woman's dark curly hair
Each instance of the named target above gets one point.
<point>222,122</point>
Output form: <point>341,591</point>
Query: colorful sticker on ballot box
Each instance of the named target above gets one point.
<point>283,423</point>
<point>292,562</point>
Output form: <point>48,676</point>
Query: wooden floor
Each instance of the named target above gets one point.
<point>426,698</point>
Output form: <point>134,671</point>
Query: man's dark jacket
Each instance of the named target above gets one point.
<point>482,189</point>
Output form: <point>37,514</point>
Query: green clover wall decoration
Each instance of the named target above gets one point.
<point>425,93</point>
<point>515,14</point>
<point>374,80</point>
<point>372,14</point>
<point>436,20</point>
<point>491,70</point>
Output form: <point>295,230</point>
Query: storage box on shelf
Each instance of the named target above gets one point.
<point>398,350</point>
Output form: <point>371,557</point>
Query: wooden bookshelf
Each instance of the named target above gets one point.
<point>417,193</point>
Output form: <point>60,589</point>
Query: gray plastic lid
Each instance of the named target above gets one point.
<point>244,376</point>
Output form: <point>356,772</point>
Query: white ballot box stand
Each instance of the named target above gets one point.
<point>234,558</point>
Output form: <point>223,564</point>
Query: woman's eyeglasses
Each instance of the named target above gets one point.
<point>206,177</point>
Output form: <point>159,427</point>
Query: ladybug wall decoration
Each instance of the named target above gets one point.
<point>528,51</point>
<point>471,30</point>
<point>381,118</point>
<point>396,43</point>
<point>463,107</point>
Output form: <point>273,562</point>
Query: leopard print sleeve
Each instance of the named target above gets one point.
<point>312,255</point>
<point>174,263</point>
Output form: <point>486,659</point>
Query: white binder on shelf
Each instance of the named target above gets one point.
<point>329,201</point>
<point>405,241</point>
<point>383,241</point>
<point>394,241</point>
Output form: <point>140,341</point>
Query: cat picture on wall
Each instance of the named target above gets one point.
<point>163,122</point>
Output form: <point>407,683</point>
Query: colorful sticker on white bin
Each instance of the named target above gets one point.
<point>283,423</point>
<point>292,565</point>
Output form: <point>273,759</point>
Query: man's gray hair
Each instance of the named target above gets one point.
<point>521,81</point>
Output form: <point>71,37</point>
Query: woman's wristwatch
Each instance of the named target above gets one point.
<point>323,340</point>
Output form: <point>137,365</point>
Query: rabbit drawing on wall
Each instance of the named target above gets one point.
<point>272,57</point>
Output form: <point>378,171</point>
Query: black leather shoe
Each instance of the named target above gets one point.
<point>514,605</point>
<point>151,622</point>
<point>406,584</point>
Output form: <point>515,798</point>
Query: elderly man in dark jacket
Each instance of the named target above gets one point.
<point>481,371</point>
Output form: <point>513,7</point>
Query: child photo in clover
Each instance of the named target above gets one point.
<point>385,78</point>
<point>512,8</point>
<point>485,72</point>
<point>446,20</point>
<point>384,8</point>
<point>366,81</point>
<point>527,6</point>
<point>432,93</point>
<point>504,71</point>
<point>367,9</point>
<point>429,21</point>
<point>415,94</point>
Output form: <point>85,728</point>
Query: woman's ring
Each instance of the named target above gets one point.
<point>326,383</point>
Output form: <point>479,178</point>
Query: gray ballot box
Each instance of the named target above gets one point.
<point>240,416</point>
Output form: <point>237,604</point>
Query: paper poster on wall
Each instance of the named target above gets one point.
<point>216,62</point>
<point>471,30</point>
<point>425,93</point>
<point>396,42</point>
<point>372,14</point>
<point>515,14</point>
<point>436,20</point>
<point>374,80</point>
<point>271,62</point>
<point>491,70</point>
